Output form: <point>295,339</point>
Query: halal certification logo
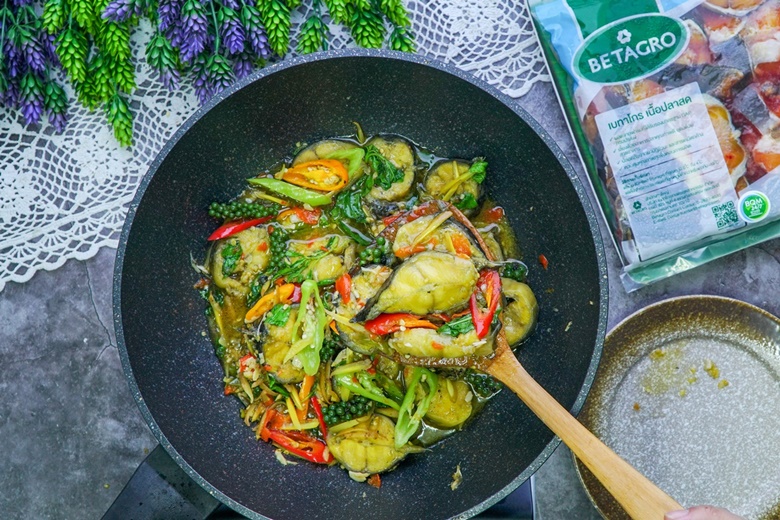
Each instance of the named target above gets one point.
<point>754,206</point>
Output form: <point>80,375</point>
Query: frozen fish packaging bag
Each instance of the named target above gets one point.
<point>675,110</point>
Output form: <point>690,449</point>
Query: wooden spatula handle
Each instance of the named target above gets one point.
<point>641,499</point>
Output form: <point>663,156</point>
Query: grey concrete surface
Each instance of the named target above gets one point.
<point>71,430</point>
<point>73,435</point>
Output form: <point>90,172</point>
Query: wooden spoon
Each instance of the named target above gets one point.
<point>641,499</point>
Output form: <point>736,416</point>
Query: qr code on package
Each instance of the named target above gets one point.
<point>725,214</point>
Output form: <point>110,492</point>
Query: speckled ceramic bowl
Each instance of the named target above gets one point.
<point>688,392</point>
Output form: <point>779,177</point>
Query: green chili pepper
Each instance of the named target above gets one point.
<point>286,189</point>
<point>389,387</point>
<point>355,156</point>
<point>409,417</point>
<point>354,233</point>
<point>345,380</point>
<point>277,387</point>
<point>313,327</point>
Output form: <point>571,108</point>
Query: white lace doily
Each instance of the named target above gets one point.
<point>65,196</point>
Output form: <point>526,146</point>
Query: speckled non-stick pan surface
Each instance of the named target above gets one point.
<point>170,365</point>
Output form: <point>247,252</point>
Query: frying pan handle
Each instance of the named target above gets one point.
<point>159,488</point>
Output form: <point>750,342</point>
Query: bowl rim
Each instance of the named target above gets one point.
<point>297,61</point>
<point>599,497</point>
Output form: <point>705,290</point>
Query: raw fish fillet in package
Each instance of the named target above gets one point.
<point>675,110</point>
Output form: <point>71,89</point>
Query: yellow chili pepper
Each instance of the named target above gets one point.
<point>321,175</point>
<point>280,294</point>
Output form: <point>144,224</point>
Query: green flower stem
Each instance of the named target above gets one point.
<point>2,33</point>
<point>216,27</point>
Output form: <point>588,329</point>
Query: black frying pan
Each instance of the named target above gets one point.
<point>170,365</point>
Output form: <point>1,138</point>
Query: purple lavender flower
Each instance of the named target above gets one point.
<point>120,10</point>
<point>194,30</point>
<point>58,120</point>
<point>34,55</point>
<point>257,38</point>
<point>174,34</point>
<point>21,3</point>
<point>168,12</point>
<point>231,4</point>
<point>49,49</point>
<point>32,99</point>
<point>170,78</point>
<point>14,60</point>
<point>11,94</point>
<point>203,88</point>
<point>259,42</point>
<point>32,110</point>
<point>232,32</point>
<point>243,66</point>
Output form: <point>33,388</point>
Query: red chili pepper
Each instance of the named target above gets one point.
<point>387,323</point>
<point>272,420</point>
<point>231,228</point>
<point>302,445</point>
<point>306,216</point>
<point>311,217</point>
<point>344,287</point>
<point>494,214</point>
<point>296,295</point>
<point>315,403</point>
<point>389,220</point>
<point>491,281</point>
<point>243,361</point>
<point>424,209</point>
<point>408,251</point>
<point>461,245</point>
<point>544,262</point>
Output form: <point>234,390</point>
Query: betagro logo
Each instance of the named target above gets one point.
<point>631,48</point>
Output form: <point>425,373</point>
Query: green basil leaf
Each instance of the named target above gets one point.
<point>457,326</point>
<point>468,201</point>
<point>350,205</point>
<point>386,174</point>
<point>479,169</point>
<point>231,254</point>
<point>278,315</point>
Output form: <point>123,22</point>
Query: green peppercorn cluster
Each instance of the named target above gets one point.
<point>236,210</point>
<point>330,345</point>
<point>357,406</point>
<point>374,254</point>
<point>515,271</point>
<point>278,239</point>
<point>483,384</point>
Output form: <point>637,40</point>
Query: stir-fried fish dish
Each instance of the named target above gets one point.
<point>347,287</point>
